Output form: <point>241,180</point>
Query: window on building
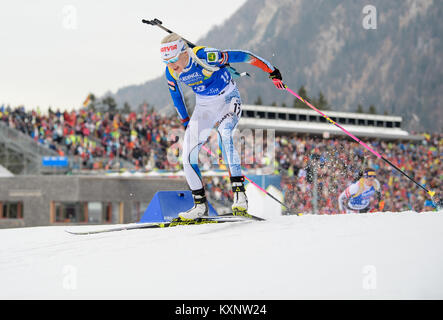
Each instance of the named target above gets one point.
<point>102,212</point>
<point>282,116</point>
<point>95,212</point>
<point>85,212</point>
<point>70,211</point>
<point>111,213</point>
<point>271,115</point>
<point>292,117</point>
<point>138,209</point>
<point>107,213</point>
<point>250,114</point>
<point>11,210</point>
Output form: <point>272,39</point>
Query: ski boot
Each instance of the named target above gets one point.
<point>200,208</point>
<point>240,205</point>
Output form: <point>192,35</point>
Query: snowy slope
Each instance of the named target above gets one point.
<point>383,256</point>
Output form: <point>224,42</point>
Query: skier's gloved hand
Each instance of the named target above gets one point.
<point>276,78</point>
<point>275,74</point>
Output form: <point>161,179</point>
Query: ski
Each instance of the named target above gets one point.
<point>130,226</point>
<point>167,224</point>
<point>243,214</point>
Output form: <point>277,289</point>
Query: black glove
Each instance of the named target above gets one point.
<point>276,78</point>
<point>275,74</point>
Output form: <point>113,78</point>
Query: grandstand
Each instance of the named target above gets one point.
<point>19,153</point>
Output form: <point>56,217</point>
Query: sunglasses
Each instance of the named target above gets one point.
<point>371,176</point>
<point>172,60</point>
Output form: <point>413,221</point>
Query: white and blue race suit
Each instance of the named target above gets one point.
<point>358,196</point>
<point>218,104</point>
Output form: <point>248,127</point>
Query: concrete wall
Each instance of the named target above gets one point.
<point>37,192</point>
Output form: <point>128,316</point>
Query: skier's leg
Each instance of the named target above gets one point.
<point>225,130</point>
<point>196,135</point>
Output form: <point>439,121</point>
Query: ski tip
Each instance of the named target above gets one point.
<point>76,233</point>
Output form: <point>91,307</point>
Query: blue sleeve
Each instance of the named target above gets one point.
<point>177,98</point>
<point>220,58</point>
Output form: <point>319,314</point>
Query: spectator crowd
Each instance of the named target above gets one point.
<point>306,163</point>
<point>99,140</point>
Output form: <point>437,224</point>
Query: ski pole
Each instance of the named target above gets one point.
<point>159,24</point>
<point>260,188</point>
<point>429,192</point>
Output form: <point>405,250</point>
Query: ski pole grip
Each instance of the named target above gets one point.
<point>152,22</point>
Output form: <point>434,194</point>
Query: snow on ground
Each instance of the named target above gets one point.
<point>368,256</point>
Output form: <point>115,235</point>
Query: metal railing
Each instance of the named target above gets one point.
<point>23,141</point>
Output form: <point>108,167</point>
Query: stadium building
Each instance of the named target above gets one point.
<point>290,120</point>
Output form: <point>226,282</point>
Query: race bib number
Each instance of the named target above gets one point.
<point>235,106</point>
